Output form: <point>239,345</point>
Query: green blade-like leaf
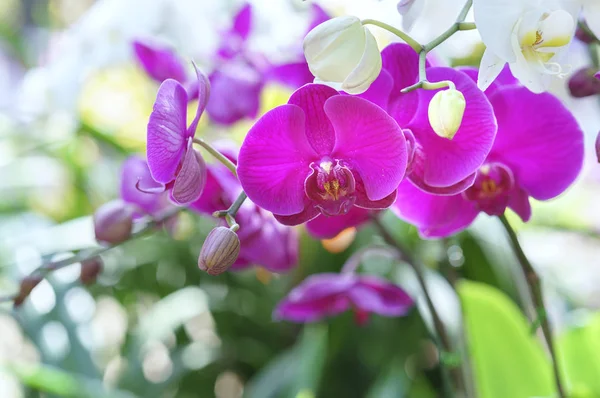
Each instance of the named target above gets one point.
<point>507,360</point>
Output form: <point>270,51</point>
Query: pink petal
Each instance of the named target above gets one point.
<point>447,162</point>
<point>519,203</point>
<point>309,213</point>
<point>242,22</point>
<point>166,138</point>
<point>191,179</point>
<point>433,215</point>
<point>402,63</point>
<point>363,201</point>
<point>370,141</point>
<point>416,177</point>
<point>292,75</point>
<point>379,91</point>
<point>275,160</point>
<point>504,79</point>
<point>378,296</point>
<point>541,143</point>
<point>319,131</point>
<point>319,15</point>
<point>203,95</point>
<point>135,171</point>
<point>324,227</point>
<point>311,310</point>
<point>159,63</point>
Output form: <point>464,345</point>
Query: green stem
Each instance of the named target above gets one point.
<point>409,40</point>
<point>443,341</point>
<point>233,209</point>
<point>458,25</point>
<point>535,290</point>
<point>217,155</point>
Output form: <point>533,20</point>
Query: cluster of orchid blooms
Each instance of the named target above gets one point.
<point>365,130</point>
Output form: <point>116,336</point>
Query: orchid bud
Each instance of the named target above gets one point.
<point>583,83</point>
<point>113,222</point>
<point>90,269</point>
<point>446,111</point>
<point>344,52</point>
<point>220,250</point>
<point>584,35</point>
<point>26,287</point>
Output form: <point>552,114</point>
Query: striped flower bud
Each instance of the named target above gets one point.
<point>113,222</point>
<point>220,250</point>
<point>446,111</point>
<point>26,287</point>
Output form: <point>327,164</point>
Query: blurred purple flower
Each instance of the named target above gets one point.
<point>538,152</point>
<point>322,153</point>
<point>137,186</point>
<point>172,160</point>
<point>584,83</point>
<point>258,228</point>
<point>437,165</point>
<point>327,294</point>
<point>160,63</point>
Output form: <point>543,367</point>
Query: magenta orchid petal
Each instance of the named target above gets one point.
<point>203,88</point>
<point>504,79</point>
<point>519,203</point>
<point>378,296</point>
<point>374,142</point>
<point>542,143</point>
<point>363,201</point>
<point>213,198</point>
<point>274,161</point>
<point>159,63</point>
<point>447,162</point>
<point>319,131</point>
<point>402,63</point>
<point>242,23</point>
<point>319,15</point>
<point>191,179</point>
<point>309,213</point>
<point>166,138</point>
<point>417,180</point>
<point>135,171</point>
<point>292,75</point>
<point>324,227</point>
<point>433,215</point>
<point>379,91</point>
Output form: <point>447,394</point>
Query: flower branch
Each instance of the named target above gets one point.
<point>37,275</point>
<point>217,155</point>
<point>535,290</point>
<point>404,36</point>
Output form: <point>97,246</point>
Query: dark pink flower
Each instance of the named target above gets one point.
<point>438,165</point>
<point>328,227</point>
<point>322,153</point>
<point>538,153</point>
<point>258,228</point>
<point>171,157</point>
<point>323,295</point>
<point>138,188</point>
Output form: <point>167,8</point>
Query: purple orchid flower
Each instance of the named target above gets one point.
<point>159,62</point>
<point>538,153</point>
<point>172,160</point>
<point>329,227</point>
<point>136,182</point>
<point>323,295</point>
<point>437,165</point>
<point>258,228</point>
<point>322,153</point>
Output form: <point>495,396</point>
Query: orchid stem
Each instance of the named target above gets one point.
<point>233,209</point>
<point>404,36</point>
<point>443,341</point>
<point>535,290</point>
<point>86,255</point>
<point>459,25</point>
<point>217,155</point>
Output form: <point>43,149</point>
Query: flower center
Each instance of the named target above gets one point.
<point>491,189</point>
<point>331,186</point>
<point>541,37</point>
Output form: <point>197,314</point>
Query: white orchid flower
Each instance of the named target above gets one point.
<point>530,35</point>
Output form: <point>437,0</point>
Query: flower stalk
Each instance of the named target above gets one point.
<point>535,290</point>
<point>217,155</point>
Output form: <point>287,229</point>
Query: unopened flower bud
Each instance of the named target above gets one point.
<point>26,287</point>
<point>344,52</point>
<point>583,83</point>
<point>446,111</point>
<point>584,35</point>
<point>90,269</point>
<point>220,250</point>
<point>113,222</point>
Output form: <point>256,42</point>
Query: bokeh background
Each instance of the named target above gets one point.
<point>74,104</point>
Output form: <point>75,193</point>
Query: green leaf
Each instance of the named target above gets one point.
<point>391,383</point>
<point>578,351</point>
<point>310,353</point>
<point>507,360</point>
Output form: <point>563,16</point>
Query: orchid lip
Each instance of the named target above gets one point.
<point>331,186</point>
<point>492,188</point>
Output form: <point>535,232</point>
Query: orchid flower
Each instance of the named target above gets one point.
<point>327,294</point>
<point>530,35</point>
<point>322,153</point>
<point>538,153</point>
